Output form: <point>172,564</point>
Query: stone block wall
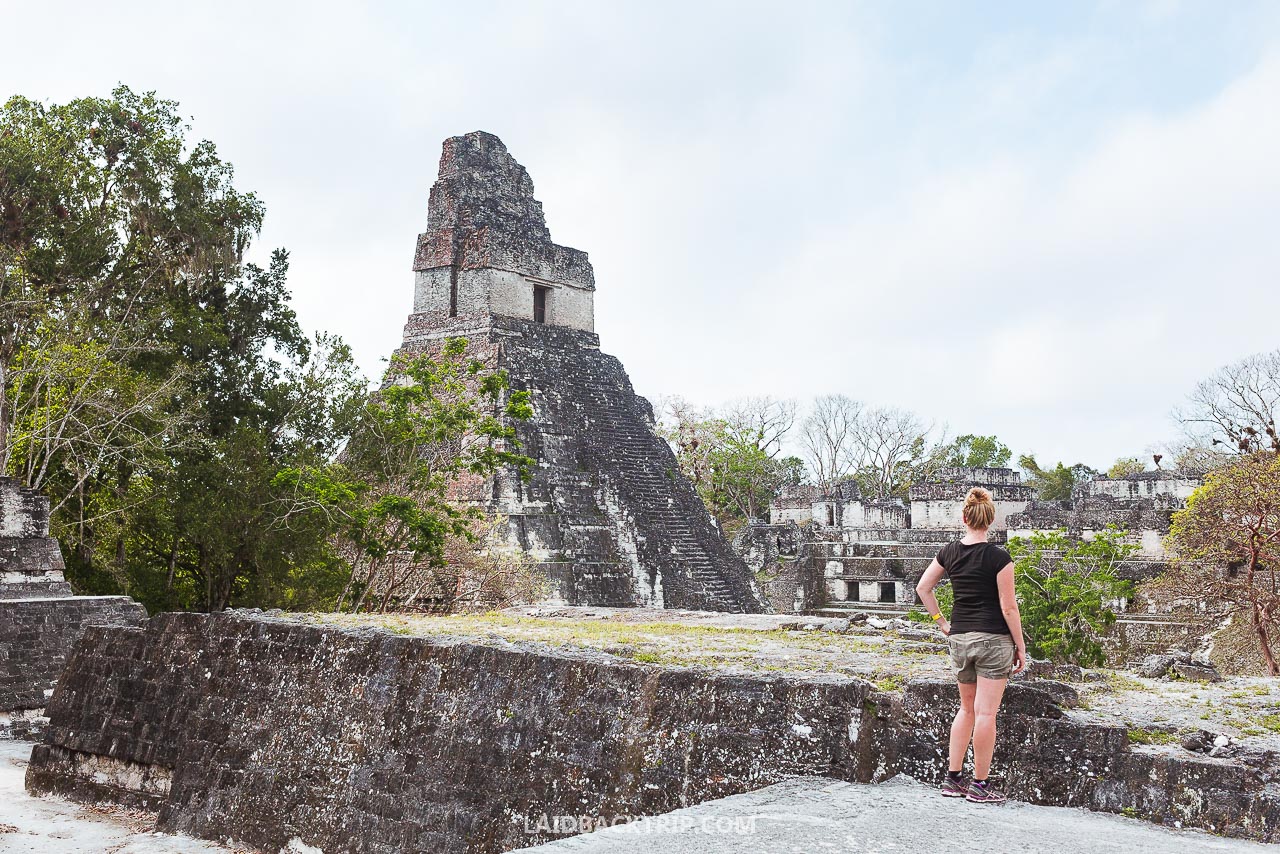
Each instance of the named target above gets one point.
<point>264,730</point>
<point>30,561</point>
<point>485,292</point>
<point>239,726</point>
<point>36,636</point>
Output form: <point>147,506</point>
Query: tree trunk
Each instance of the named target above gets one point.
<point>351,579</point>
<point>1264,643</point>
<point>173,565</point>
<point>4,411</point>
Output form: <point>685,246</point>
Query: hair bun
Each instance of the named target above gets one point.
<point>979,509</point>
<point>977,495</point>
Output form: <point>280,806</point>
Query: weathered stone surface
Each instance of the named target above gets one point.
<point>483,214</point>
<point>36,635</point>
<point>814,814</point>
<point>371,742</point>
<point>608,514</point>
<point>1197,672</point>
<point>368,741</point>
<point>1155,666</point>
<point>40,619</point>
<point>30,561</point>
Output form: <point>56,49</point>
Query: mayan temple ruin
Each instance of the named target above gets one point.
<point>40,618</point>
<point>608,515</point>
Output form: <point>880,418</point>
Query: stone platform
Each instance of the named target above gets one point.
<point>36,635</point>
<point>396,734</point>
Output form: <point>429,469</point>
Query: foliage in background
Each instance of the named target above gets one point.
<point>438,420</point>
<point>946,602</point>
<point>1054,484</point>
<point>1234,411</point>
<point>1227,541</point>
<point>160,390</point>
<point>733,457</point>
<point>970,451</point>
<point>1126,467</point>
<point>1068,592</point>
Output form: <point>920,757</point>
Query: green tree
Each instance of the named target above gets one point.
<point>1228,544</point>
<point>1126,467</point>
<point>970,451</point>
<point>734,459</point>
<point>1057,483</point>
<point>1067,592</point>
<point>438,421</point>
<point>106,217</point>
<point>151,382</point>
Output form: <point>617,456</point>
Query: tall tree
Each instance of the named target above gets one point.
<point>105,218</point>
<point>760,422</point>
<point>970,451</point>
<point>1057,483</point>
<point>1236,408</point>
<point>1228,544</point>
<point>151,382</point>
<point>827,436</point>
<point>888,447</point>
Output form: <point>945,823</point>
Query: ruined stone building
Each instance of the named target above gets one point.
<point>854,551</point>
<point>607,514</point>
<point>839,551</point>
<point>40,618</point>
<point>1141,504</point>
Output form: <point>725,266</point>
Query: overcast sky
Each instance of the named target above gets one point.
<point>1045,221</point>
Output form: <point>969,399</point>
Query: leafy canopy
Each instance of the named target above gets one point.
<point>1068,592</point>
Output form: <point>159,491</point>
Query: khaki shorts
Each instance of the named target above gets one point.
<point>984,654</point>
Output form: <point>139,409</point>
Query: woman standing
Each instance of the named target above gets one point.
<point>985,633</point>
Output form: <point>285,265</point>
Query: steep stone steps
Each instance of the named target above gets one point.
<point>624,473</point>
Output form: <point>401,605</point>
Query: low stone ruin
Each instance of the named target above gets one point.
<point>840,552</point>
<point>854,552</point>
<point>40,618</point>
<point>1141,505</point>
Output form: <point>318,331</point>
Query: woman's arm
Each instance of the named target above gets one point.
<point>1012,616</point>
<point>924,590</point>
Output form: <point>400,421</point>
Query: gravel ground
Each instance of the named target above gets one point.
<point>55,826</point>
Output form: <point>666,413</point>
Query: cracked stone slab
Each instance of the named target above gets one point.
<point>813,814</point>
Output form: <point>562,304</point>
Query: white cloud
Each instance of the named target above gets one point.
<point>827,198</point>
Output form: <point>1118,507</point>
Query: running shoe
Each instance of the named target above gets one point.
<point>984,793</point>
<point>954,788</point>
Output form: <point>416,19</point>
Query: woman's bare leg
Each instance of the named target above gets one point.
<point>962,726</point>
<point>985,705</point>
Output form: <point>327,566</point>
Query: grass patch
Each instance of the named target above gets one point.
<point>1151,736</point>
<point>893,682</point>
<point>1270,722</point>
<point>764,651</point>
<point>1120,682</point>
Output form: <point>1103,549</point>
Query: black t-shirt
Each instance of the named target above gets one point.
<point>972,570</point>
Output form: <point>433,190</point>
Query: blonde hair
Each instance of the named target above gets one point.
<point>979,511</point>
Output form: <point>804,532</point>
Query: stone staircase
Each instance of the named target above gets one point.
<point>607,476</point>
